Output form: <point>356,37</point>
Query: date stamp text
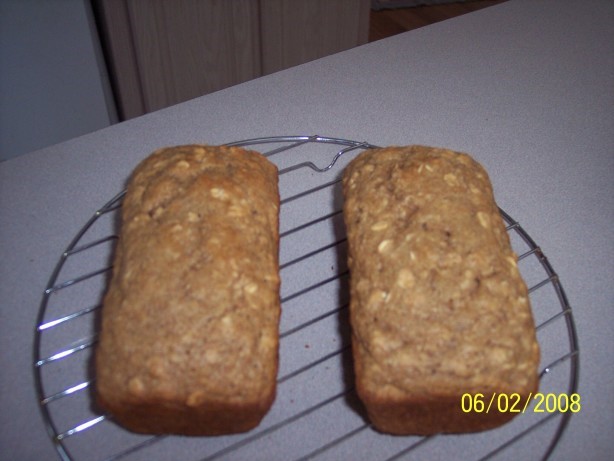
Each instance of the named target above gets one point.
<point>515,403</point>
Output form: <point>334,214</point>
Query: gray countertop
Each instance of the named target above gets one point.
<point>526,87</point>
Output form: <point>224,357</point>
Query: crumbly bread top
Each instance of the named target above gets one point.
<point>437,302</point>
<point>193,308</point>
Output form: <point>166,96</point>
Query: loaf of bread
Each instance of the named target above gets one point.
<point>438,308</point>
<point>189,338</point>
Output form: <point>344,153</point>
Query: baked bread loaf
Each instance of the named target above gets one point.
<point>438,308</point>
<point>189,339</point>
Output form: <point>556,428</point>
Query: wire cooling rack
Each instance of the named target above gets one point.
<point>317,414</point>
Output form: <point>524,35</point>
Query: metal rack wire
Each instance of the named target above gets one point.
<point>315,385</point>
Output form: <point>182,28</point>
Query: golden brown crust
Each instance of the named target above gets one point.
<point>189,340</point>
<point>438,307</point>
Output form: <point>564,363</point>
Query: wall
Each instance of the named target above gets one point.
<point>53,85</point>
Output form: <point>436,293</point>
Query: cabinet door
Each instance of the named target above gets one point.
<point>164,52</point>
<point>298,31</point>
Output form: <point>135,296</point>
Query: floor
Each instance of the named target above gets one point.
<point>388,22</point>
